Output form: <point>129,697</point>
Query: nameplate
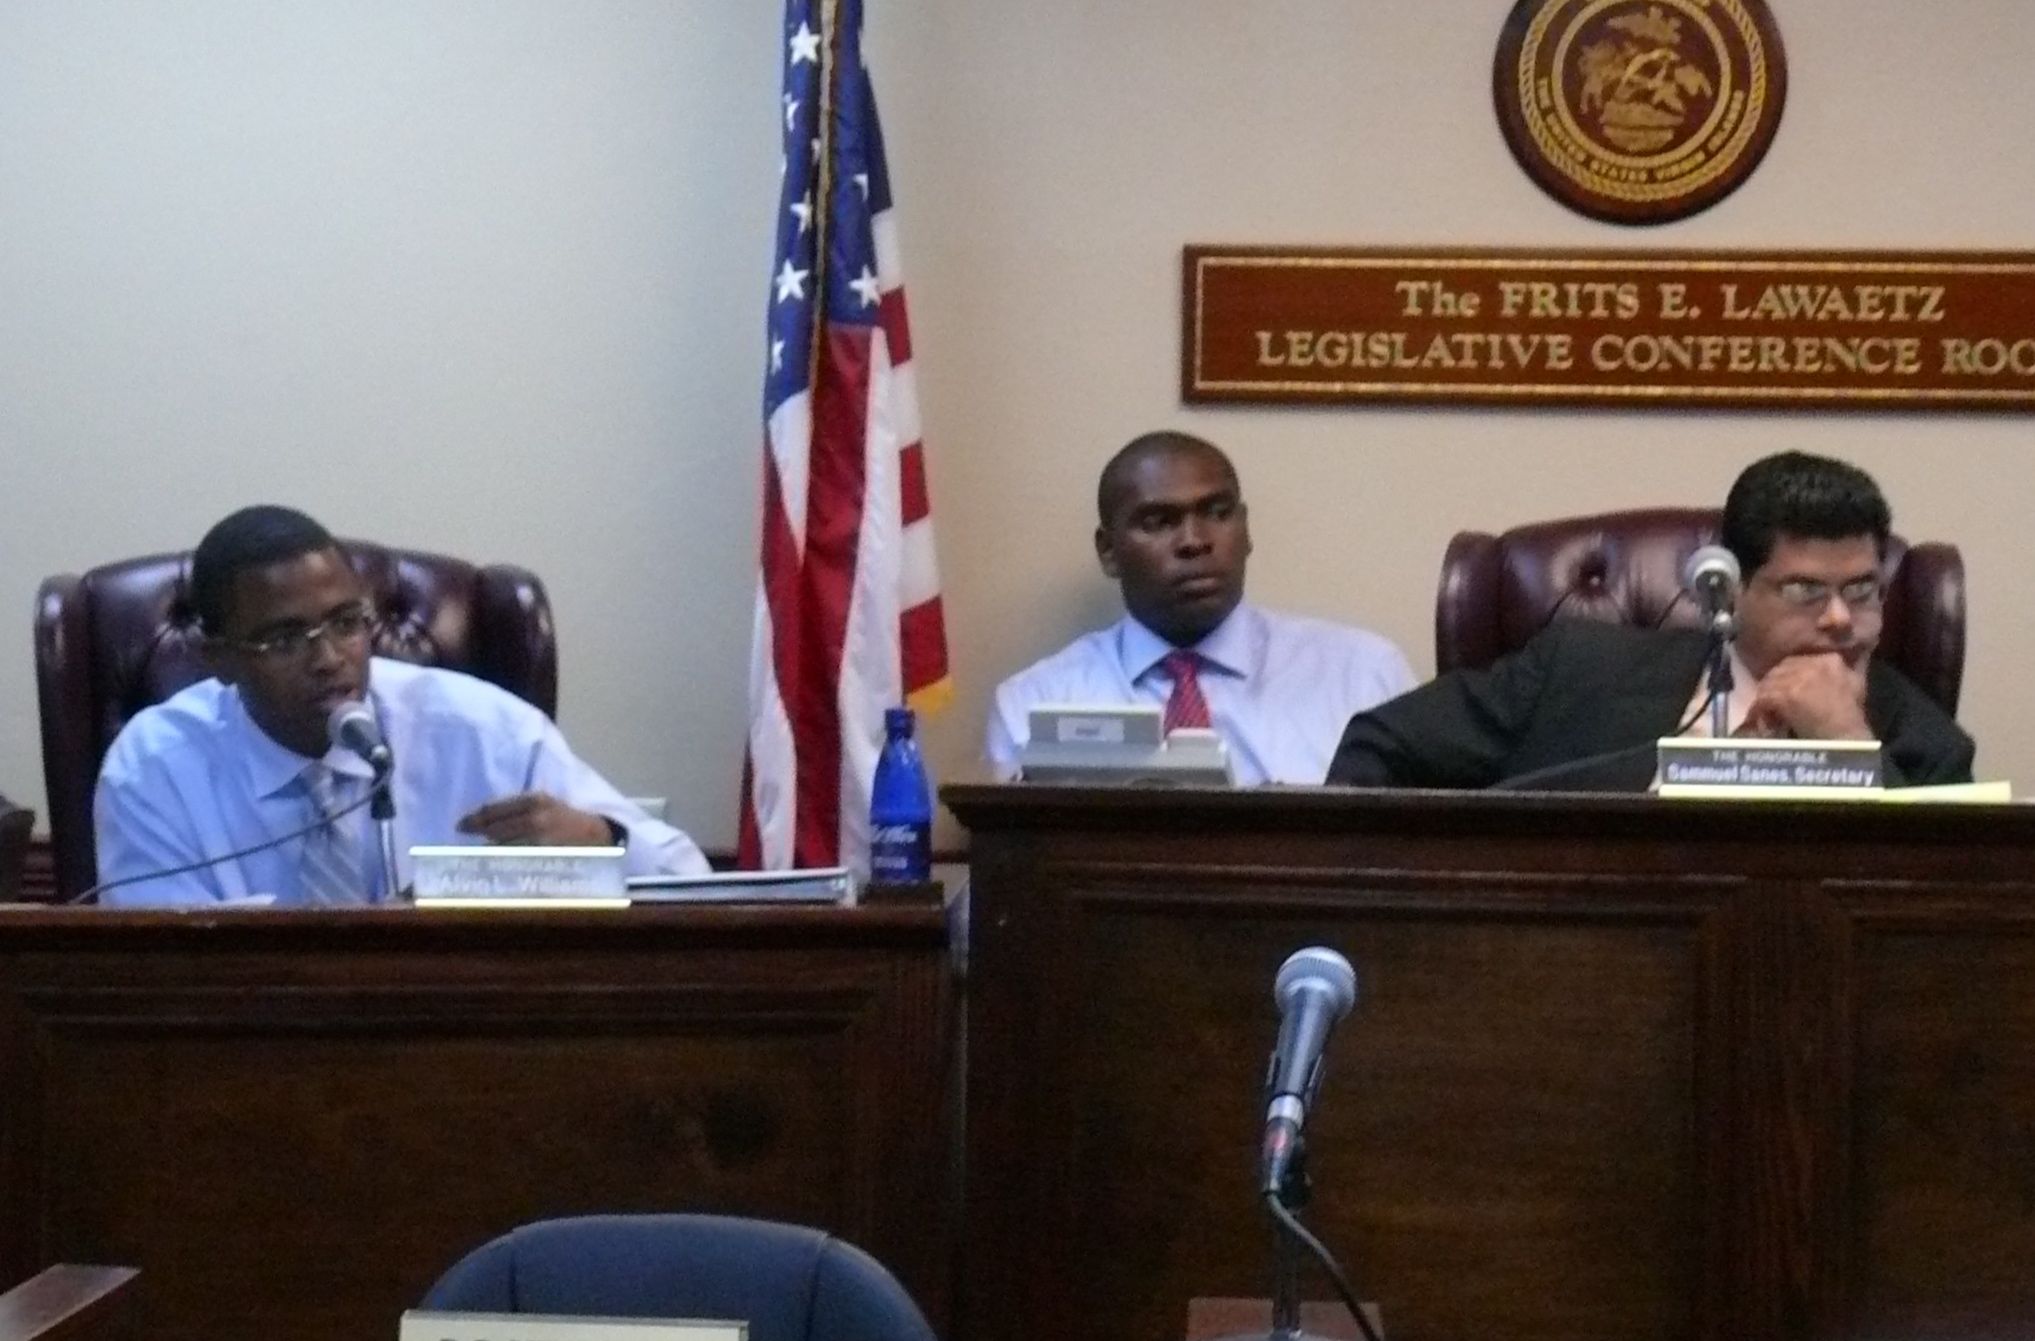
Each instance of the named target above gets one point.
<point>462,872</point>
<point>1782,330</point>
<point>1104,724</point>
<point>428,1325</point>
<point>1840,767</point>
<point>1186,757</point>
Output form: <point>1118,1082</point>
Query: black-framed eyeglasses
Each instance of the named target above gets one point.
<point>1806,593</point>
<point>345,625</point>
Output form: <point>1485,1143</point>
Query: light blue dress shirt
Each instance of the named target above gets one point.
<point>194,777</point>
<point>1280,688</point>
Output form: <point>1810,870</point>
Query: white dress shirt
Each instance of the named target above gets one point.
<point>1280,688</point>
<point>194,777</point>
<point>1744,689</point>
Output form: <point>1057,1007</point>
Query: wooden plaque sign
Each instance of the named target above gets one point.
<point>1853,330</point>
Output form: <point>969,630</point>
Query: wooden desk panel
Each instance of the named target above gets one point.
<point>1941,1233</point>
<point>293,1122</point>
<point>1619,1069</point>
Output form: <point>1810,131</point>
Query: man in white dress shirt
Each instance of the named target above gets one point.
<point>1174,534</point>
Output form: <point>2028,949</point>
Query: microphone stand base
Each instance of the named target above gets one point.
<point>1241,1318</point>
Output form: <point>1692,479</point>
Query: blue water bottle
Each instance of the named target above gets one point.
<point>900,808</point>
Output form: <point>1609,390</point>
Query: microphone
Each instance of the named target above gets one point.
<point>1315,988</point>
<point>353,728</point>
<point>1712,573</point>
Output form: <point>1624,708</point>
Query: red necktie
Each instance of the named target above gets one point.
<point>1185,706</point>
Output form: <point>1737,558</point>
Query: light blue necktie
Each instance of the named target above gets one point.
<point>331,863</point>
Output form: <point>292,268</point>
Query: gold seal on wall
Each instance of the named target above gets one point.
<point>1639,111</point>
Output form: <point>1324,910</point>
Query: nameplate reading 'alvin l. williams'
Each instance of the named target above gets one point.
<point>470,872</point>
<point>1784,330</point>
<point>428,1325</point>
<point>1831,769</point>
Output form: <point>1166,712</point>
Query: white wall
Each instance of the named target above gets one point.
<point>479,275</point>
<point>488,276</point>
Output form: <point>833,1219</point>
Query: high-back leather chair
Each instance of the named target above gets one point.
<point>1497,591</point>
<point>125,636</point>
<point>15,822</point>
<point>788,1283</point>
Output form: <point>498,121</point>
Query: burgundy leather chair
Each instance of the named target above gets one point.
<point>124,636</point>
<point>15,823</point>
<point>1497,591</point>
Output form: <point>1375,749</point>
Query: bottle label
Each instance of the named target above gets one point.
<point>900,853</point>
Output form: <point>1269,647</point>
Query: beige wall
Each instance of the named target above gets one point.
<point>489,275</point>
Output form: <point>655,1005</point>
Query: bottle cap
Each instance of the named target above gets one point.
<point>897,721</point>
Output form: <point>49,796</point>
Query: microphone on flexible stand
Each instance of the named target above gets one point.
<point>354,728</point>
<point>1712,572</point>
<point>1314,989</point>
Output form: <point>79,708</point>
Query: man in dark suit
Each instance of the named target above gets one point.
<point>1810,534</point>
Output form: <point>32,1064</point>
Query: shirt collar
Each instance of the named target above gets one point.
<point>272,767</point>
<point>1230,648</point>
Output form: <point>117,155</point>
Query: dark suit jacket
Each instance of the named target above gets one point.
<point>1582,689</point>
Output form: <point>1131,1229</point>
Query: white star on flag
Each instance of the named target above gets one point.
<point>866,287</point>
<point>862,184</point>
<point>776,355</point>
<point>804,210</point>
<point>791,283</point>
<point>790,111</point>
<point>805,45</point>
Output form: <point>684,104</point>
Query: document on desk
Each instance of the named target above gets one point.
<point>824,884</point>
<point>1963,793</point>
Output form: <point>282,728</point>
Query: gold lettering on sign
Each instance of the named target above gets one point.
<point>1425,297</point>
<point>1802,354</point>
<point>1796,329</point>
<point>1989,358</point>
<point>1544,300</point>
<point>1834,302</point>
<point>1488,351</point>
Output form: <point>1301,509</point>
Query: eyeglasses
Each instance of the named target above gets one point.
<point>342,626</point>
<point>1806,593</point>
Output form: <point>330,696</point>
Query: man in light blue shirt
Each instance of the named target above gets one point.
<point>246,757</point>
<point>1278,689</point>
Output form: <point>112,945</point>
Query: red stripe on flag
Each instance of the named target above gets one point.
<point>840,401</point>
<point>911,477</point>
<point>780,572</point>
<point>780,582</point>
<point>922,645</point>
<point>897,329</point>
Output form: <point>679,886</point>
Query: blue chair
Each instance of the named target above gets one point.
<point>787,1282</point>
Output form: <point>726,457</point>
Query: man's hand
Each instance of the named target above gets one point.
<point>536,819</point>
<point>1813,697</point>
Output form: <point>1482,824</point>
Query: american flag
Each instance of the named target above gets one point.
<point>848,616</point>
